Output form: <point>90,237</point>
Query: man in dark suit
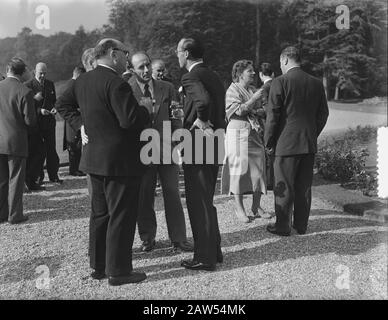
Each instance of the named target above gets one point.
<point>45,98</point>
<point>266,75</point>
<point>157,96</point>
<point>204,110</point>
<point>113,121</point>
<point>17,113</point>
<point>71,137</point>
<point>297,113</point>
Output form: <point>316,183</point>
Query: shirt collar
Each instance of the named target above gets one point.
<point>14,78</point>
<point>150,86</point>
<point>265,81</point>
<point>293,68</point>
<point>194,64</point>
<point>104,65</point>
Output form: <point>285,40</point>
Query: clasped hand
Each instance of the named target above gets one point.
<point>204,126</point>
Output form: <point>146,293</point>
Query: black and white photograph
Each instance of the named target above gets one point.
<point>213,153</point>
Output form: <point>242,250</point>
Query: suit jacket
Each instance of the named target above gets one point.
<point>297,113</point>
<point>17,112</point>
<point>163,93</point>
<point>69,134</point>
<point>70,113</point>
<point>204,99</point>
<point>48,101</point>
<point>113,122</point>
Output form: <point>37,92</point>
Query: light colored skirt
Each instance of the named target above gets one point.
<point>243,170</point>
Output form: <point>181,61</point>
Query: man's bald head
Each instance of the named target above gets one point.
<point>158,69</point>
<point>112,53</point>
<point>40,71</point>
<point>141,66</point>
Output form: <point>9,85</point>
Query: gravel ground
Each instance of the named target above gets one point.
<point>341,256</point>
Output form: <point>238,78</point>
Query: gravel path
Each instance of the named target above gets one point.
<point>341,256</point>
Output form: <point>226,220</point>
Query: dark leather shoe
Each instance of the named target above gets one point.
<point>195,265</point>
<point>3,220</point>
<point>131,278</point>
<point>272,228</point>
<point>77,174</point>
<point>34,187</point>
<point>299,231</point>
<point>148,245</point>
<point>25,218</point>
<point>184,246</point>
<point>56,180</point>
<point>98,274</point>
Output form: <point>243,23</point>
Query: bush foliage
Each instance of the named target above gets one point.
<point>342,159</point>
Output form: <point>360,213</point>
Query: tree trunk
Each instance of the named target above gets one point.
<point>258,32</point>
<point>336,95</point>
<point>325,76</point>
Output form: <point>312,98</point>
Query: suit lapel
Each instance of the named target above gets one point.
<point>158,95</point>
<point>136,89</point>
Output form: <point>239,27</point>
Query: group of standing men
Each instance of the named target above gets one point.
<point>112,112</point>
<point>27,136</point>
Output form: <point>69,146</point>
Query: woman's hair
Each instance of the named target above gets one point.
<point>239,67</point>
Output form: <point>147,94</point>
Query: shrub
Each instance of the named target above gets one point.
<point>339,160</point>
<point>361,134</point>
<point>342,159</point>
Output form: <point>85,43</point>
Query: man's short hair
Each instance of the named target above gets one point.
<point>16,66</point>
<point>136,53</point>
<point>194,47</point>
<point>291,53</point>
<point>266,69</point>
<point>239,67</point>
<point>88,57</point>
<point>102,48</point>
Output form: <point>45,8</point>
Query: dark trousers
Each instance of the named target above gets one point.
<point>113,223</point>
<point>200,183</point>
<point>50,152</point>
<point>12,176</point>
<point>293,179</point>
<point>146,220</point>
<point>74,150</point>
<point>35,157</point>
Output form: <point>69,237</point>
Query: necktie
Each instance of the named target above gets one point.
<point>147,92</point>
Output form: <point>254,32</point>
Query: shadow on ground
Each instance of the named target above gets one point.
<point>339,235</point>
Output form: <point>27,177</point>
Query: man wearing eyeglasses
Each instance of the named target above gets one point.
<point>113,121</point>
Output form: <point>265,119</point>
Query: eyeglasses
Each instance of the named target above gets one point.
<point>124,51</point>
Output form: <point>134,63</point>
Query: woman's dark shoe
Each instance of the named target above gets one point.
<point>148,245</point>
<point>241,216</point>
<point>260,213</point>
